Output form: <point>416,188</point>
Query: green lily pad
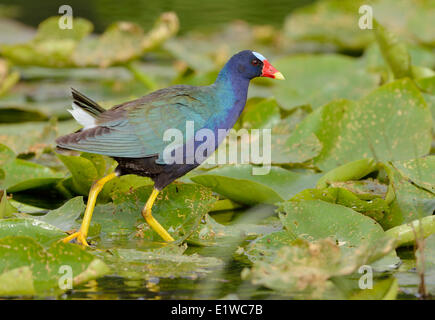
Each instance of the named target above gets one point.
<point>332,21</point>
<point>55,47</point>
<point>179,208</point>
<point>42,269</point>
<point>382,290</point>
<point>316,219</point>
<point>385,125</point>
<point>420,171</point>
<point>6,155</point>
<point>374,208</point>
<point>411,202</point>
<point>258,114</point>
<point>65,217</point>
<point>41,231</point>
<point>22,175</point>
<point>239,184</point>
<point>331,77</point>
<point>212,233</point>
<point>299,147</point>
<point>307,267</point>
<point>33,137</point>
<point>135,264</point>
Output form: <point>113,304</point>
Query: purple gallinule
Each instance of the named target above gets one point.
<point>133,132</point>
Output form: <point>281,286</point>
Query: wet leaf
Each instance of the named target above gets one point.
<point>43,268</point>
<point>239,184</point>
<point>212,233</point>
<point>136,264</point>
<point>41,231</point>
<point>308,267</point>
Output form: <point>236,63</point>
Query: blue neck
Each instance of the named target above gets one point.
<point>232,91</point>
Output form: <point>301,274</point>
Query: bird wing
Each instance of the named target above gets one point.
<point>135,129</point>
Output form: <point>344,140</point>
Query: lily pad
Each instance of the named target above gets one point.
<point>385,125</point>
<point>41,231</point>
<point>316,219</point>
<point>22,175</point>
<point>317,79</point>
<point>264,113</point>
<point>332,21</point>
<point>42,269</point>
<point>65,217</point>
<point>411,202</point>
<point>239,184</point>
<point>135,264</point>
<point>179,209</point>
<point>55,47</point>
<point>420,171</point>
<point>308,267</point>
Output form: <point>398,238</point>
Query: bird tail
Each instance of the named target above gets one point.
<point>84,109</point>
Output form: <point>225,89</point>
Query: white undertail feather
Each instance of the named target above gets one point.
<point>82,117</point>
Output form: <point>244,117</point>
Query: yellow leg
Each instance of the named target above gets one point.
<point>154,224</point>
<point>84,228</point>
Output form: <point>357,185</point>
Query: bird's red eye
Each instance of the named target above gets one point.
<point>255,62</point>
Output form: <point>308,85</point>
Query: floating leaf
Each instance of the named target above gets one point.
<point>178,208</point>
<point>410,202</point>
<point>239,184</point>
<point>317,219</point>
<point>42,269</point>
<point>65,217</point>
<point>331,77</point>
<point>22,175</point>
<point>385,125</point>
<point>41,231</point>
<point>264,113</point>
<point>120,43</point>
<point>136,264</point>
<point>329,22</point>
<point>420,171</point>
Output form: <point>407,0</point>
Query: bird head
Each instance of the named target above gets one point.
<point>251,64</point>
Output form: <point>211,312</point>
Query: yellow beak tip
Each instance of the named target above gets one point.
<point>278,76</point>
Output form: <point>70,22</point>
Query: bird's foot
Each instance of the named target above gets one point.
<point>79,236</point>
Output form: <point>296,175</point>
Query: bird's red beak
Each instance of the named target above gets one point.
<point>270,72</point>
